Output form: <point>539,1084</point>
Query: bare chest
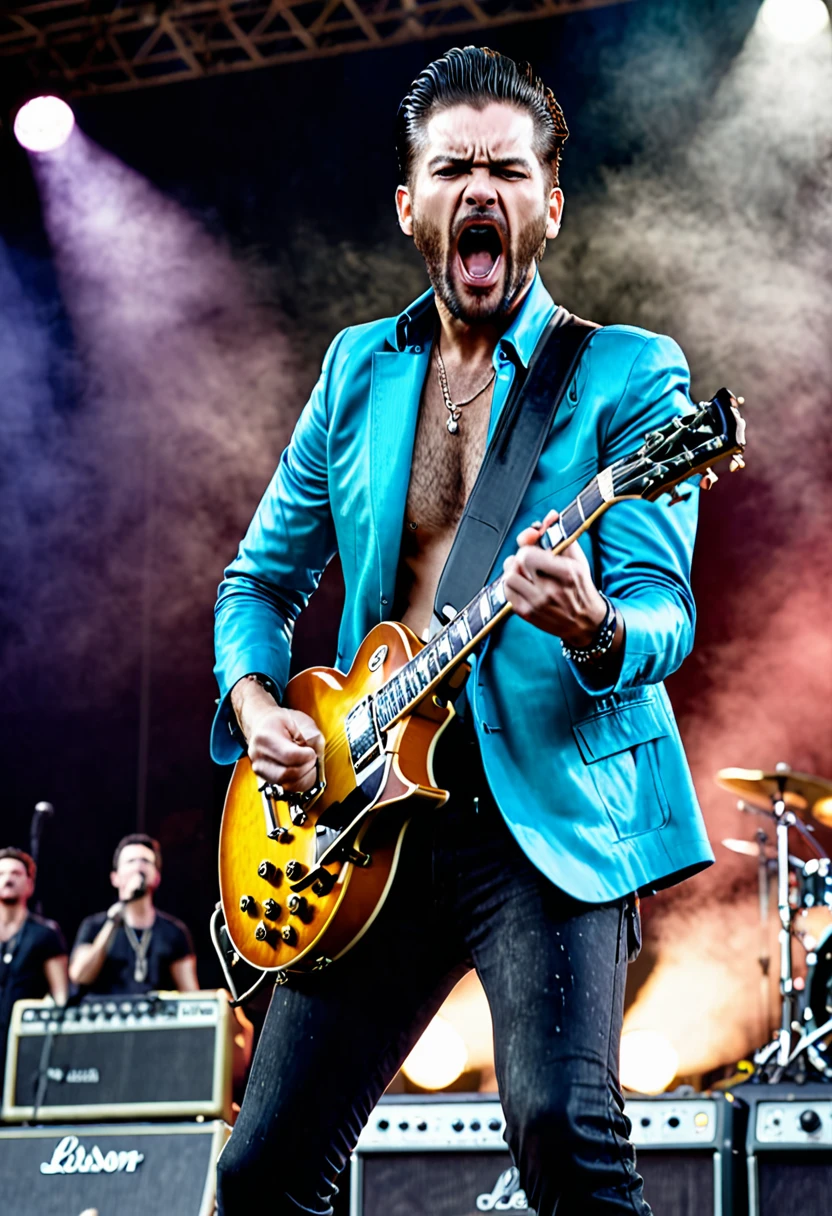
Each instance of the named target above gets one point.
<point>444,466</point>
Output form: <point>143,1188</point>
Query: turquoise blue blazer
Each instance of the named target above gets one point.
<point>592,782</point>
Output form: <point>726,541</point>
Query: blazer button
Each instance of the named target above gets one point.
<point>384,601</point>
<point>417,350</point>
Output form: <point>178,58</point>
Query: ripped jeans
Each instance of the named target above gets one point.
<point>553,970</point>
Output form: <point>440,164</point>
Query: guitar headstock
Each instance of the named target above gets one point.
<point>682,449</point>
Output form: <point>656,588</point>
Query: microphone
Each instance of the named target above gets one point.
<point>140,890</point>
<point>44,808</point>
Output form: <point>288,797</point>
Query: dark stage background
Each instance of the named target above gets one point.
<point>167,289</point>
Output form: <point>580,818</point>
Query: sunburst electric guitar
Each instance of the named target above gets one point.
<point>303,876</point>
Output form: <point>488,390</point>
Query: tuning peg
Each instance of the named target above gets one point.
<point>740,400</point>
<point>708,479</point>
<point>737,462</point>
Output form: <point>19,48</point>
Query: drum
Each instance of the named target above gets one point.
<point>818,1009</point>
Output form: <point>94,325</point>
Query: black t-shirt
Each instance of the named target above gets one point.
<point>169,941</point>
<point>36,942</point>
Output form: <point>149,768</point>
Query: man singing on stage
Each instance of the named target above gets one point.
<point>133,947</point>
<point>569,791</point>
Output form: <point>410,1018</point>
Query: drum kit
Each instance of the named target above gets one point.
<point>793,803</point>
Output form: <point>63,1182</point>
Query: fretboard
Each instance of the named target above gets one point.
<point>423,673</point>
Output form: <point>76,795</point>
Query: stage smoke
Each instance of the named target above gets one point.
<point>129,495</point>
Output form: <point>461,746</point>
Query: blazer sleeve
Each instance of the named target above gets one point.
<point>279,564</point>
<point>643,550</point>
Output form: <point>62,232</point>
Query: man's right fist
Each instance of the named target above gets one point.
<point>284,747</point>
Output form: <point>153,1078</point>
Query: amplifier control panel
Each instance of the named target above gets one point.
<point>794,1124</point>
<point>397,1125</point>
<point>121,1013</point>
<point>433,1125</point>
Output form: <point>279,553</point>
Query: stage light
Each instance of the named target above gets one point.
<point>794,20</point>
<point>43,124</point>
<point>438,1058</point>
<point>649,1061</point>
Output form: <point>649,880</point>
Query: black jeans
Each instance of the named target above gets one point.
<point>553,970</point>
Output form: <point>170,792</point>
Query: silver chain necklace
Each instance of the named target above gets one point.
<point>454,408</point>
<point>140,949</point>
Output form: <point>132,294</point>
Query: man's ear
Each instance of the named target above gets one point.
<point>404,210</point>
<point>555,213</point>
<point>114,879</point>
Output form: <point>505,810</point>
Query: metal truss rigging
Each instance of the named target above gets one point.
<point>105,46</point>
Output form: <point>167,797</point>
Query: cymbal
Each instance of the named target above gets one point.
<point>808,795</point>
<point>746,848</point>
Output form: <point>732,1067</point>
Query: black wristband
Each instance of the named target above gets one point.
<point>602,643</point>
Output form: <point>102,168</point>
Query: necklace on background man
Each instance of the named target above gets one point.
<point>140,949</point>
<point>455,408</point>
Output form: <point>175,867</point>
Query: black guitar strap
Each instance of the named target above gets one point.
<point>510,461</point>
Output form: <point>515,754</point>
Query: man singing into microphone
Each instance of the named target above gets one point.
<point>133,947</point>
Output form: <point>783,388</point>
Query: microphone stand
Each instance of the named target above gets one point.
<point>43,813</point>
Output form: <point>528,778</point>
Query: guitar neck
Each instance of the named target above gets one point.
<point>422,675</point>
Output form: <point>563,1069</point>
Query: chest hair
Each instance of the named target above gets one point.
<point>444,466</point>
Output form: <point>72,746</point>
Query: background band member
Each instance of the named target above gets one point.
<point>32,949</point>
<point>133,947</point>
<point>569,790</point>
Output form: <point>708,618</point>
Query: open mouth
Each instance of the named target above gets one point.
<point>480,251</point>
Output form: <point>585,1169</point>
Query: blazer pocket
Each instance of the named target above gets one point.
<point>620,749</point>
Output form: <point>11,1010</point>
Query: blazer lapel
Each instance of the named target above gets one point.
<point>394,409</point>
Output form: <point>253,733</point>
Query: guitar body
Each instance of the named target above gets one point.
<point>322,905</point>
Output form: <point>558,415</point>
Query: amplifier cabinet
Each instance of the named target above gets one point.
<point>788,1148</point>
<point>115,1169</point>
<point>445,1154</point>
<point>166,1055</point>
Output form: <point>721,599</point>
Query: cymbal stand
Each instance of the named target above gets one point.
<point>784,820</point>
<point>764,959</point>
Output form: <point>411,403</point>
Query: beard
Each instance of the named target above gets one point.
<point>439,256</point>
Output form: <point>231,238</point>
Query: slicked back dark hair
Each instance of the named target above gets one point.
<point>12,854</point>
<point>138,838</point>
<point>476,76</point>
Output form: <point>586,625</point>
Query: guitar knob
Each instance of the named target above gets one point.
<point>297,905</point>
<point>268,871</point>
<point>737,462</point>
<point>261,932</point>
<point>294,869</point>
<point>248,904</point>
<point>281,835</point>
<point>708,480</point>
<point>271,909</point>
<point>289,935</point>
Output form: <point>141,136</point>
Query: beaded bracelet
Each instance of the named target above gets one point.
<point>584,655</point>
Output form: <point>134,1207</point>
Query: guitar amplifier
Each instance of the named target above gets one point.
<point>113,1170</point>
<point>163,1055</point>
<point>445,1154</point>
<point>788,1148</point>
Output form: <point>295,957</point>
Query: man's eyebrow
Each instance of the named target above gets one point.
<point>501,162</point>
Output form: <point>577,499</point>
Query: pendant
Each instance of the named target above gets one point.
<point>140,972</point>
<point>453,425</point>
